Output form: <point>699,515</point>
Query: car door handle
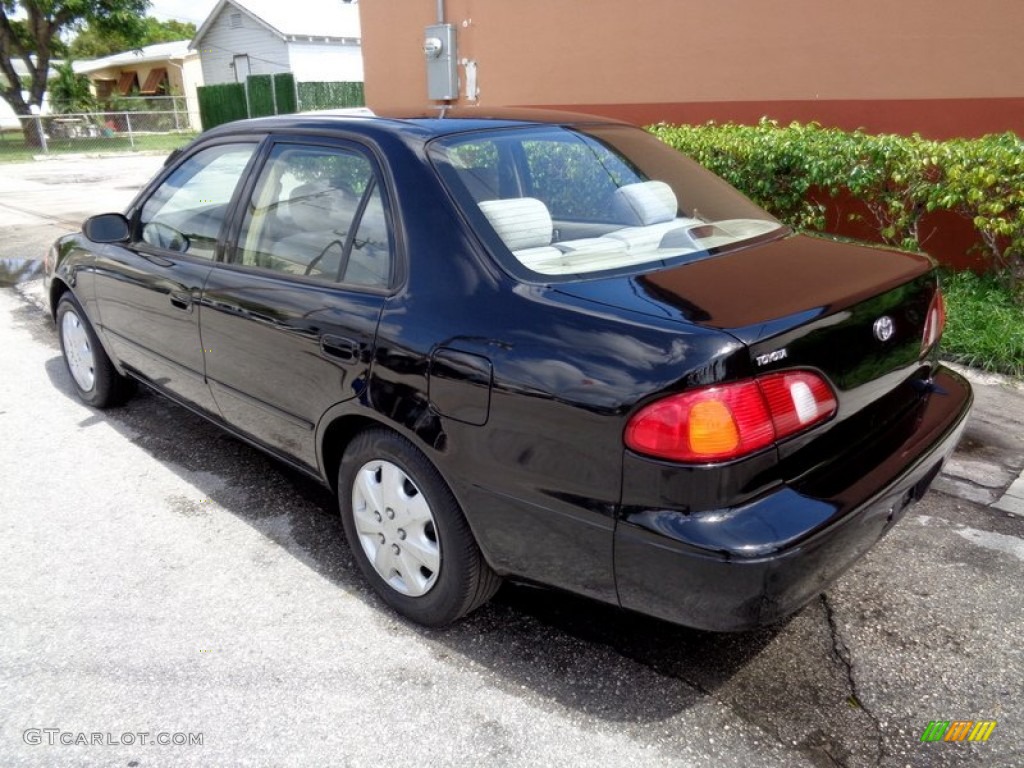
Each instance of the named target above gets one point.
<point>181,300</point>
<point>339,347</point>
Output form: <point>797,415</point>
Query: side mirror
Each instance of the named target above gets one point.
<point>107,228</point>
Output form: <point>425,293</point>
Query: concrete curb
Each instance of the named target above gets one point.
<point>1013,500</point>
<point>995,481</point>
<point>985,378</point>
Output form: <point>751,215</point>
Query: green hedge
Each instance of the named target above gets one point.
<point>260,92</point>
<point>260,95</point>
<point>316,95</point>
<point>898,179</point>
<point>221,104</point>
<point>284,93</point>
<point>271,94</point>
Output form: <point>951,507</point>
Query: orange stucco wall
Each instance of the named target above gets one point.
<point>934,66</point>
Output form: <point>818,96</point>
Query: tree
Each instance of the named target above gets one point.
<point>30,31</point>
<point>91,43</point>
<point>70,91</point>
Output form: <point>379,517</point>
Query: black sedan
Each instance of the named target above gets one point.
<point>537,346</point>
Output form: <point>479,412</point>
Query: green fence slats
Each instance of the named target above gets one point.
<point>276,94</point>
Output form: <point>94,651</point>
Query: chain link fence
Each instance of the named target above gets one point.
<point>164,123</point>
<point>127,124</point>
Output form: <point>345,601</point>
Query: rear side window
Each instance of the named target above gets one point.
<point>318,212</point>
<point>185,213</point>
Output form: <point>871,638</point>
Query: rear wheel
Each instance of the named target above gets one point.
<point>407,532</point>
<point>94,376</point>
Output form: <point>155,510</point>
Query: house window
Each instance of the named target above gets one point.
<point>156,81</point>
<point>128,82</point>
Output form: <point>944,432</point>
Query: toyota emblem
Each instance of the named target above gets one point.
<point>884,328</point>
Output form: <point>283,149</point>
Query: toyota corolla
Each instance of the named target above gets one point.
<point>542,347</point>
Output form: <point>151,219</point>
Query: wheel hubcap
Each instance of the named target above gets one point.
<point>78,351</point>
<point>396,528</point>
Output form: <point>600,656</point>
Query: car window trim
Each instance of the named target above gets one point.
<point>230,249</point>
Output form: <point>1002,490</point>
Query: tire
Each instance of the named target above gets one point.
<point>93,375</point>
<point>407,533</point>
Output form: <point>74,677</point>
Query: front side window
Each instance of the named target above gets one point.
<point>572,202</point>
<point>186,211</point>
<point>318,212</point>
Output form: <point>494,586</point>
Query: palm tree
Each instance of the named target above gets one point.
<point>70,91</point>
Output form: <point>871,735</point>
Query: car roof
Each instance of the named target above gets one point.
<point>426,123</point>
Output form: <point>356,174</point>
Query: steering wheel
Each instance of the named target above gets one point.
<point>319,256</point>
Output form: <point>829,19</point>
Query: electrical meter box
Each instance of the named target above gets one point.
<point>442,65</point>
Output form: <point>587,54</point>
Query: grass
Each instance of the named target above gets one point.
<point>13,149</point>
<point>985,327</point>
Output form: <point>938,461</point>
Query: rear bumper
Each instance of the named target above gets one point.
<point>739,568</point>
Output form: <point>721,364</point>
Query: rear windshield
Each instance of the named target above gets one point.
<point>570,202</point>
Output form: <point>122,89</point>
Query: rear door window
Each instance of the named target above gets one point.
<point>317,212</point>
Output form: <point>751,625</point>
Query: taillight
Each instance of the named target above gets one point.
<point>797,400</point>
<point>934,323</point>
<point>728,421</point>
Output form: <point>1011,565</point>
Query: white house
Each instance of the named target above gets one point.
<point>317,40</point>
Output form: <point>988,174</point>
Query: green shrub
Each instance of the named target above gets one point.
<point>985,328</point>
<point>787,170</point>
<point>983,180</point>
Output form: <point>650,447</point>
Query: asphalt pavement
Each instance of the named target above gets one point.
<point>161,581</point>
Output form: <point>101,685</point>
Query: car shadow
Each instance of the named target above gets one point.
<point>580,654</point>
<point>603,660</point>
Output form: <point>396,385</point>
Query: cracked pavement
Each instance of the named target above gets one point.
<point>842,655</point>
<point>156,574</point>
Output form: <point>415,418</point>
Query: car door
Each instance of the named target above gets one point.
<point>289,320</point>
<point>147,290</point>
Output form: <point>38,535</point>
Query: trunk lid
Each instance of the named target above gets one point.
<point>856,313</point>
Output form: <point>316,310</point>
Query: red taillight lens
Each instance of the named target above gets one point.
<point>935,322</point>
<point>731,420</point>
<point>703,425</point>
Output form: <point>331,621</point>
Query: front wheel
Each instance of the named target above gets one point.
<point>407,532</point>
<point>94,376</point>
